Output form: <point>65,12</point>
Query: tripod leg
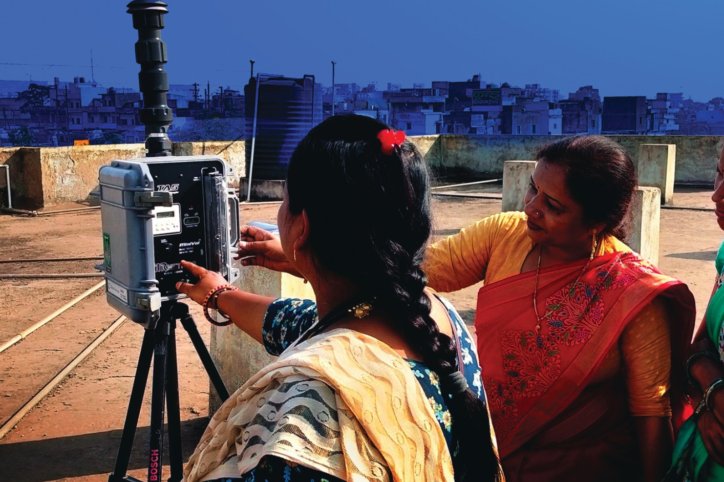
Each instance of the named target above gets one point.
<point>173,409</point>
<point>188,323</point>
<point>134,408</point>
<point>155,455</point>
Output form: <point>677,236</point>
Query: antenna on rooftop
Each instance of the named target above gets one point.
<point>93,75</point>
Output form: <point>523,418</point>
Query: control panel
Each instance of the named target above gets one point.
<point>167,220</point>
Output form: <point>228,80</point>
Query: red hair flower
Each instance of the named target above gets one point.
<point>390,140</point>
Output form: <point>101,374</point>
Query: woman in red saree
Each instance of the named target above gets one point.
<point>576,333</point>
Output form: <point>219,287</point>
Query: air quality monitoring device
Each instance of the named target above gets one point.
<point>156,212</point>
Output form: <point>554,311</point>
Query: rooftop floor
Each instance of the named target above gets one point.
<point>74,433</point>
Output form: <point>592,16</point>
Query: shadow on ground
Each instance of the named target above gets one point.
<point>468,316</point>
<point>697,255</point>
<point>83,455</point>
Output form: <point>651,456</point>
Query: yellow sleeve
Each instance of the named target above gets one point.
<point>461,260</point>
<point>646,349</point>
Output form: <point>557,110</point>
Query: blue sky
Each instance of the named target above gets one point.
<point>622,47</point>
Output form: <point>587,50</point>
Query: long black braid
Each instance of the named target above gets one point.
<point>370,219</point>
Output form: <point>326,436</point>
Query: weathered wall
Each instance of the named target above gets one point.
<point>696,156</point>
<point>71,173</point>
<point>42,177</point>
<point>483,156</point>
<point>476,156</point>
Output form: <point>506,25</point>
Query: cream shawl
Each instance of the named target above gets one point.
<point>341,402</point>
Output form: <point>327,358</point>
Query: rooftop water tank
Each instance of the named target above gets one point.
<point>288,109</point>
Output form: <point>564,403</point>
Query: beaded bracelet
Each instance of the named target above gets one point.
<point>712,388</point>
<point>692,358</point>
<point>213,294</point>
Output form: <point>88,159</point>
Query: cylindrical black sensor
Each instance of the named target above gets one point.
<point>153,80</point>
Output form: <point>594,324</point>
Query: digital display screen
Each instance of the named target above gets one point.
<point>165,214</point>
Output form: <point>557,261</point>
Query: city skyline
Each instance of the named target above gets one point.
<point>621,49</point>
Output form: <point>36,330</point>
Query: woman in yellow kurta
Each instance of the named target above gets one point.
<point>576,333</point>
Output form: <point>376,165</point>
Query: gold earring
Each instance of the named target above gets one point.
<point>295,255</point>
<point>595,244</point>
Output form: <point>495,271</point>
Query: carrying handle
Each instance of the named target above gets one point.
<point>234,207</point>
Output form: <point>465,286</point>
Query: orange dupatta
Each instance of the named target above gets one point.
<point>530,378</point>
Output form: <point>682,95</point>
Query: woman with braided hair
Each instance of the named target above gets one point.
<point>577,335</point>
<point>379,379</point>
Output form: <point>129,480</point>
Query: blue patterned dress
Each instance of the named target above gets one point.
<point>285,321</point>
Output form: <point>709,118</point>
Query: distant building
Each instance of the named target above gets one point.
<point>416,111</point>
<point>457,118</point>
<point>710,116</point>
<point>624,115</point>
<point>509,95</point>
<point>487,111</point>
<point>677,100</point>
<point>535,91</point>
<point>344,92</point>
<point>57,112</point>
<point>662,115</point>
<point>581,112</point>
<point>585,92</point>
<point>555,122</point>
<point>527,117</point>
<point>580,116</point>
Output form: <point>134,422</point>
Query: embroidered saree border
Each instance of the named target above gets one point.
<point>571,379</point>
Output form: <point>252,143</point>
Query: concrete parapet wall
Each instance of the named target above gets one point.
<point>657,168</point>
<point>483,156</point>
<point>42,177</point>
<point>46,176</point>
<point>696,156</point>
<point>646,214</point>
<point>261,190</point>
<point>516,182</point>
<point>71,173</point>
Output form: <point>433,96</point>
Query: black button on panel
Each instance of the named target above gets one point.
<point>191,221</point>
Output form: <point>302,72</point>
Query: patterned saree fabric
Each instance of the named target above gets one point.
<point>533,377</point>
<point>494,250</point>
<point>342,403</point>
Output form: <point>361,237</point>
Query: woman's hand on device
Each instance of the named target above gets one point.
<point>208,280</point>
<point>258,247</point>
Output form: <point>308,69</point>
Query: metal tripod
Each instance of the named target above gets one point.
<point>159,344</point>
